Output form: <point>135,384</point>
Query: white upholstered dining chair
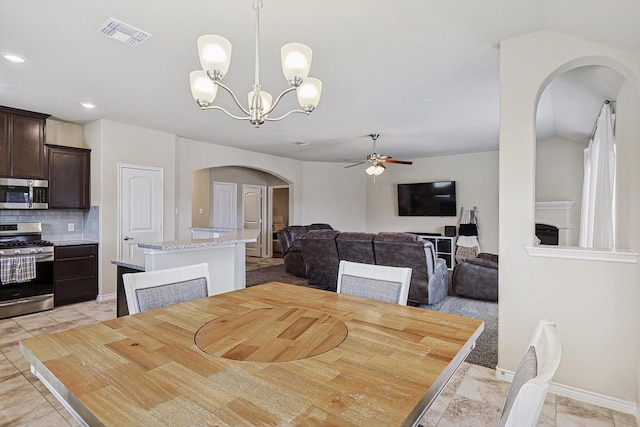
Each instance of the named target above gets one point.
<point>159,288</point>
<point>531,381</point>
<point>379,282</point>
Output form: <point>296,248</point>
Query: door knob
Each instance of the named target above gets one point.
<point>128,238</point>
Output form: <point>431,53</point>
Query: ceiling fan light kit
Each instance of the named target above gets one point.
<point>215,57</point>
<point>376,169</point>
<point>376,162</point>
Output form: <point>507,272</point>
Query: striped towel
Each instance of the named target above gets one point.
<point>17,269</point>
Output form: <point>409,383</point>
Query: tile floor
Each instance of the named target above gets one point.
<point>473,397</point>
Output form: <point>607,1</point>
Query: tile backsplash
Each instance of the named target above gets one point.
<point>56,223</point>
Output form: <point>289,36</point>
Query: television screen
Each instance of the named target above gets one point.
<point>427,199</point>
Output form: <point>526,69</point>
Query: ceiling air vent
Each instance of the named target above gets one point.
<point>122,32</point>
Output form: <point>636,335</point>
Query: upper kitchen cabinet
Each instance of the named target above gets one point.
<point>22,136</point>
<point>69,177</point>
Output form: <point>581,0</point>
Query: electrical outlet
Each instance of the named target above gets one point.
<point>71,226</point>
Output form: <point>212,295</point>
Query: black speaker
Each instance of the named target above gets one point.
<point>450,230</point>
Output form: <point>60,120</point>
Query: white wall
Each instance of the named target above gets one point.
<point>112,143</point>
<point>193,155</point>
<point>594,303</point>
<point>559,176</point>
<point>200,202</point>
<point>334,195</point>
<point>628,200</point>
<point>64,133</point>
<point>476,177</point>
<point>240,176</point>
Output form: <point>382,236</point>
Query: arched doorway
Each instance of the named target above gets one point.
<point>274,201</point>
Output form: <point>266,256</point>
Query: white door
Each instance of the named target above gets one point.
<point>253,208</point>
<point>225,205</point>
<point>140,208</point>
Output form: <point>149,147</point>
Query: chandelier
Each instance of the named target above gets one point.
<point>215,57</point>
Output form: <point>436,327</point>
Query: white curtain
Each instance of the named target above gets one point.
<point>597,222</point>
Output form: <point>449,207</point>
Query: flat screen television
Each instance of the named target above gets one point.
<point>427,199</point>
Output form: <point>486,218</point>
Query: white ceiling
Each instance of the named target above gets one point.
<point>423,74</point>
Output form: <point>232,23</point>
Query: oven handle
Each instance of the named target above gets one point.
<point>38,256</point>
<point>26,300</point>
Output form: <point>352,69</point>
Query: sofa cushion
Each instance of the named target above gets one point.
<point>482,262</point>
<point>407,250</point>
<point>356,247</point>
<point>321,260</point>
<point>319,226</point>
<point>488,256</point>
<point>296,232</point>
<point>289,239</point>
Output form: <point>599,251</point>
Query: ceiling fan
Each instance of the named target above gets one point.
<point>376,161</point>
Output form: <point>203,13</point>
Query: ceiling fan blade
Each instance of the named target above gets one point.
<point>401,162</point>
<point>356,164</point>
<point>384,157</point>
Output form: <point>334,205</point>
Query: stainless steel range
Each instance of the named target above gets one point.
<point>26,269</point>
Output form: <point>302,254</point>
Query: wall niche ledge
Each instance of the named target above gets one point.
<point>628,256</point>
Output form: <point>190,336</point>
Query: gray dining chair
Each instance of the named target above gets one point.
<point>158,288</point>
<point>379,282</point>
<point>531,381</point>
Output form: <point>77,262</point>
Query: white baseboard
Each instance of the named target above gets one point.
<point>586,396</point>
<point>106,297</point>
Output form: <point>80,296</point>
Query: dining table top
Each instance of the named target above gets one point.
<point>273,354</point>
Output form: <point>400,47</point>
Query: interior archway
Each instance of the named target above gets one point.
<point>277,198</point>
<point>567,110</point>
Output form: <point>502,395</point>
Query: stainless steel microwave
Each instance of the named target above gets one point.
<point>24,193</point>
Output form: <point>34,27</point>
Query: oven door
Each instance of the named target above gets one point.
<point>28,297</point>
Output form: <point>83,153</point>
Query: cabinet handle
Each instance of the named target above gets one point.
<point>128,238</point>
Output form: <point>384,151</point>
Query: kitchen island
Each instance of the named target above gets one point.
<point>222,249</point>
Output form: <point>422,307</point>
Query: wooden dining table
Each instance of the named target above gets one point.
<point>270,355</point>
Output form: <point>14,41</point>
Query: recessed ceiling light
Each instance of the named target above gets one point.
<point>88,105</point>
<point>12,57</point>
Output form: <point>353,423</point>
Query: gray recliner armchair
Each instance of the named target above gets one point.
<point>429,276</point>
<point>320,254</point>
<point>477,277</point>
<point>289,239</point>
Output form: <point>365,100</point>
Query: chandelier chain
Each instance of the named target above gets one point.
<point>257,5</point>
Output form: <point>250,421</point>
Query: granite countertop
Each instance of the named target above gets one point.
<point>74,242</point>
<point>133,263</point>
<point>219,237</point>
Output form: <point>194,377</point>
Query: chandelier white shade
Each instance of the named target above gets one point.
<point>215,58</point>
<point>309,93</point>
<point>202,87</point>
<point>214,53</point>
<point>296,60</point>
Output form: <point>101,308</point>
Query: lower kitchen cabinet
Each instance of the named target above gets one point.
<point>75,274</point>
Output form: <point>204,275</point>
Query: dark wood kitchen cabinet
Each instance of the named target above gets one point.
<point>69,177</point>
<point>22,136</point>
<point>75,274</point>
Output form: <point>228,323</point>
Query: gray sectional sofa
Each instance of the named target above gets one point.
<point>322,251</point>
